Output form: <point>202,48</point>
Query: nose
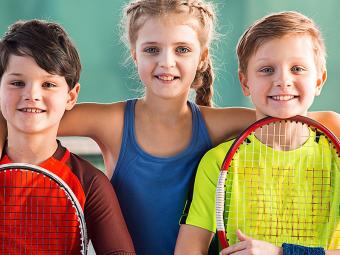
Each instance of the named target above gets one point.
<point>283,78</point>
<point>32,92</point>
<point>167,59</point>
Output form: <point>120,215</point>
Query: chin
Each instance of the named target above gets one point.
<point>286,115</point>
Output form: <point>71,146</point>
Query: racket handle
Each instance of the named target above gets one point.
<point>223,239</point>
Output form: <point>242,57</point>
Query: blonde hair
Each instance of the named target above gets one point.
<point>277,25</point>
<point>137,11</point>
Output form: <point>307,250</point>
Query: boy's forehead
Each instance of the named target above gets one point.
<point>273,47</point>
<point>26,66</point>
<point>21,62</point>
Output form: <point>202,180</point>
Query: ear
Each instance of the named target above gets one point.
<point>203,58</point>
<point>133,55</point>
<point>320,82</point>
<point>72,97</point>
<point>244,83</point>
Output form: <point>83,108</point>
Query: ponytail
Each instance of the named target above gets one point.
<point>204,85</point>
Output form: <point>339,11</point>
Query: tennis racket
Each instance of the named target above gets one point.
<point>39,213</point>
<point>280,183</point>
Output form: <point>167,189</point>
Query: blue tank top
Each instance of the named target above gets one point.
<point>152,190</point>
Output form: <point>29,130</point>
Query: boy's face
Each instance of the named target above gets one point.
<point>32,100</point>
<point>282,77</point>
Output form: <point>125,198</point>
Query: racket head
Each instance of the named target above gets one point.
<point>229,178</point>
<point>39,213</point>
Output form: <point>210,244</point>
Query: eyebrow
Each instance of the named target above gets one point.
<point>177,43</point>
<point>20,74</point>
<point>15,74</point>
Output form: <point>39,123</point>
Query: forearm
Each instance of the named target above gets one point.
<point>333,252</point>
<point>3,132</point>
<point>193,240</point>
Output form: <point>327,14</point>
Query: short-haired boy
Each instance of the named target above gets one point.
<point>39,72</point>
<point>282,67</point>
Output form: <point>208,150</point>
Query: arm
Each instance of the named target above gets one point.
<point>249,246</point>
<point>105,223</point>
<point>226,123</point>
<point>101,122</point>
<point>330,119</point>
<point>198,226</point>
<point>3,132</point>
<point>193,240</point>
<point>89,119</point>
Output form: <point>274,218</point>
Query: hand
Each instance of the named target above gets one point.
<point>249,246</point>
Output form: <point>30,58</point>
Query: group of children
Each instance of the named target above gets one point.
<point>152,145</point>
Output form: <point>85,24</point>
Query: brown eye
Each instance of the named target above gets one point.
<point>18,83</point>
<point>297,69</point>
<point>267,70</point>
<point>49,85</point>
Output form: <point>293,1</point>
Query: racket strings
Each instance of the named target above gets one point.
<point>36,215</point>
<point>281,187</point>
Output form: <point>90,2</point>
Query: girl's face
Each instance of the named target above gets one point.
<point>282,77</point>
<point>167,54</point>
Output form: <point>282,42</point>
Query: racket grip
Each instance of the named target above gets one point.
<point>223,239</point>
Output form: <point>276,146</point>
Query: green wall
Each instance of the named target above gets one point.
<point>94,27</point>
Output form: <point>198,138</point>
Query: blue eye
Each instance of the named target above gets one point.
<point>151,50</point>
<point>182,50</point>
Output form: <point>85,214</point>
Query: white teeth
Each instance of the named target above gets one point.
<point>282,98</point>
<point>31,110</point>
<point>166,77</point>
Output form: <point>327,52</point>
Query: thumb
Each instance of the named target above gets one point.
<point>241,236</point>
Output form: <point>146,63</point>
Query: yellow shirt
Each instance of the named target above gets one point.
<point>277,200</point>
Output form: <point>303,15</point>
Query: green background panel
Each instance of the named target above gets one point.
<point>106,77</point>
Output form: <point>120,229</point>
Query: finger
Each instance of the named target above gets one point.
<point>234,248</point>
<point>241,236</point>
<point>240,252</point>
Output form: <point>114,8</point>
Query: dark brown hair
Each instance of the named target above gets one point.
<point>47,43</point>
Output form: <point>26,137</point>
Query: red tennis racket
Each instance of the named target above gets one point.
<point>39,213</point>
<point>280,182</point>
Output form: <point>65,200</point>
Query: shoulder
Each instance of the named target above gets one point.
<point>224,123</point>
<point>330,119</point>
<point>211,162</point>
<point>218,153</point>
<point>90,176</point>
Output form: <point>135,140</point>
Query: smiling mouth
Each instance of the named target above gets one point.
<point>283,98</point>
<point>31,110</point>
<point>166,77</point>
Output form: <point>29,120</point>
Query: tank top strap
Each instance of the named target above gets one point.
<point>200,129</point>
<point>128,134</point>
<point>129,119</point>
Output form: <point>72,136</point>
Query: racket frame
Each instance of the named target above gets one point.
<point>220,196</point>
<point>63,185</point>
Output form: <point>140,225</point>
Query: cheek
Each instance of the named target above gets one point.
<point>145,71</point>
